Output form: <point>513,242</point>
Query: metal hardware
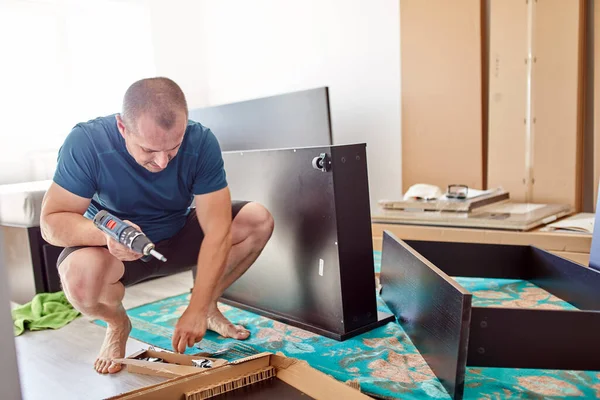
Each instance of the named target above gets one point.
<point>202,363</point>
<point>322,162</point>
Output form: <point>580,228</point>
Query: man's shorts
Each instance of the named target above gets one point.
<point>181,252</point>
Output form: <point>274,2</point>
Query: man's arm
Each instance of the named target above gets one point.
<point>214,216</point>
<point>62,222</point>
<point>74,184</point>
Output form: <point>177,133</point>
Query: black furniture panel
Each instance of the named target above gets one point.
<point>295,119</point>
<point>432,308</point>
<point>540,339</point>
<point>494,336</point>
<point>462,259</point>
<point>317,271</point>
<point>565,279</point>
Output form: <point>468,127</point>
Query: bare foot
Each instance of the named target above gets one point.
<point>218,323</point>
<point>113,347</point>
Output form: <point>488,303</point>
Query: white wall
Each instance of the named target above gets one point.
<point>223,51</point>
<point>61,66</point>
<point>179,50</point>
<point>219,51</point>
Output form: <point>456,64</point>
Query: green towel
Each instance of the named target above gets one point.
<point>45,311</point>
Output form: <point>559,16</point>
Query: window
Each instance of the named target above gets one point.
<point>65,61</point>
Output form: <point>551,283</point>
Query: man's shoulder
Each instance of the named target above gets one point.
<point>199,138</point>
<point>99,125</point>
<point>97,133</point>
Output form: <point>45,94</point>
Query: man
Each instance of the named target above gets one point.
<point>147,166</point>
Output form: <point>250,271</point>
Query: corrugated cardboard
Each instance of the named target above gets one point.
<point>507,104</point>
<point>441,74</point>
<point>292,371</point>
<point>175,364</point>
<point>535,133</point>
<point>557,101</point>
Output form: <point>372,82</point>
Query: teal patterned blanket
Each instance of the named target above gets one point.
<point>384,361</point>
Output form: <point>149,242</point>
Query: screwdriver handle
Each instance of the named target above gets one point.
<point>126,235</point>
<point>112,226</point>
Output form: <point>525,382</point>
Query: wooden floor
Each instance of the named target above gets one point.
<point>58,364</point>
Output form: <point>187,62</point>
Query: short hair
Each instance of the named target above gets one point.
<point>159,96</point>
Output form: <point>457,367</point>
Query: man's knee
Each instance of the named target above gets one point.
<point>262,221</point>
<point>259,222</point>
<point>84,273</point>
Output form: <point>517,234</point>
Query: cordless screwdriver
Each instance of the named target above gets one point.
<point>126,234</point>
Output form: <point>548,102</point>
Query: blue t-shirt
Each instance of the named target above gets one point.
<point>94,163</point>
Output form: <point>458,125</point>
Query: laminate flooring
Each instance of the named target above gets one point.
<point>58,364</point>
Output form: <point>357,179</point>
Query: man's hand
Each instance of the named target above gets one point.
<point>190,329</point>
<point>120,251</point>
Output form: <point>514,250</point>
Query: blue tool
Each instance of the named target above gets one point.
<point>126,234</point>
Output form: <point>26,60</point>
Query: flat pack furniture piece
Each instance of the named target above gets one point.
<point>459,206</point>
<point>317,270</point>
<point>294,119</point>
<point>450,333</point>
<point>502,215</point>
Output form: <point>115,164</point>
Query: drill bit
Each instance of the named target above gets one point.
<point>158,255</point>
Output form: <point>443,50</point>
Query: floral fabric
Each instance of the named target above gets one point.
<point>384,361</point>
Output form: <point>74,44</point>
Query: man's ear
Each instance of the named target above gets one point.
<point>121,125</point>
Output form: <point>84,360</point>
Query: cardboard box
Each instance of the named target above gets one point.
<point>292,378</point>
<point>174,364</point>
<point>536,102</point>
<point>442,92</point>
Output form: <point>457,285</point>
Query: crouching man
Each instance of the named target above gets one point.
<point>149,165</point>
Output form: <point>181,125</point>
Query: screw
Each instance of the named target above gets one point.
<point>483,324</point>
<point>343,159</point>
<point>357,158</point>
<point>481,350</point>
